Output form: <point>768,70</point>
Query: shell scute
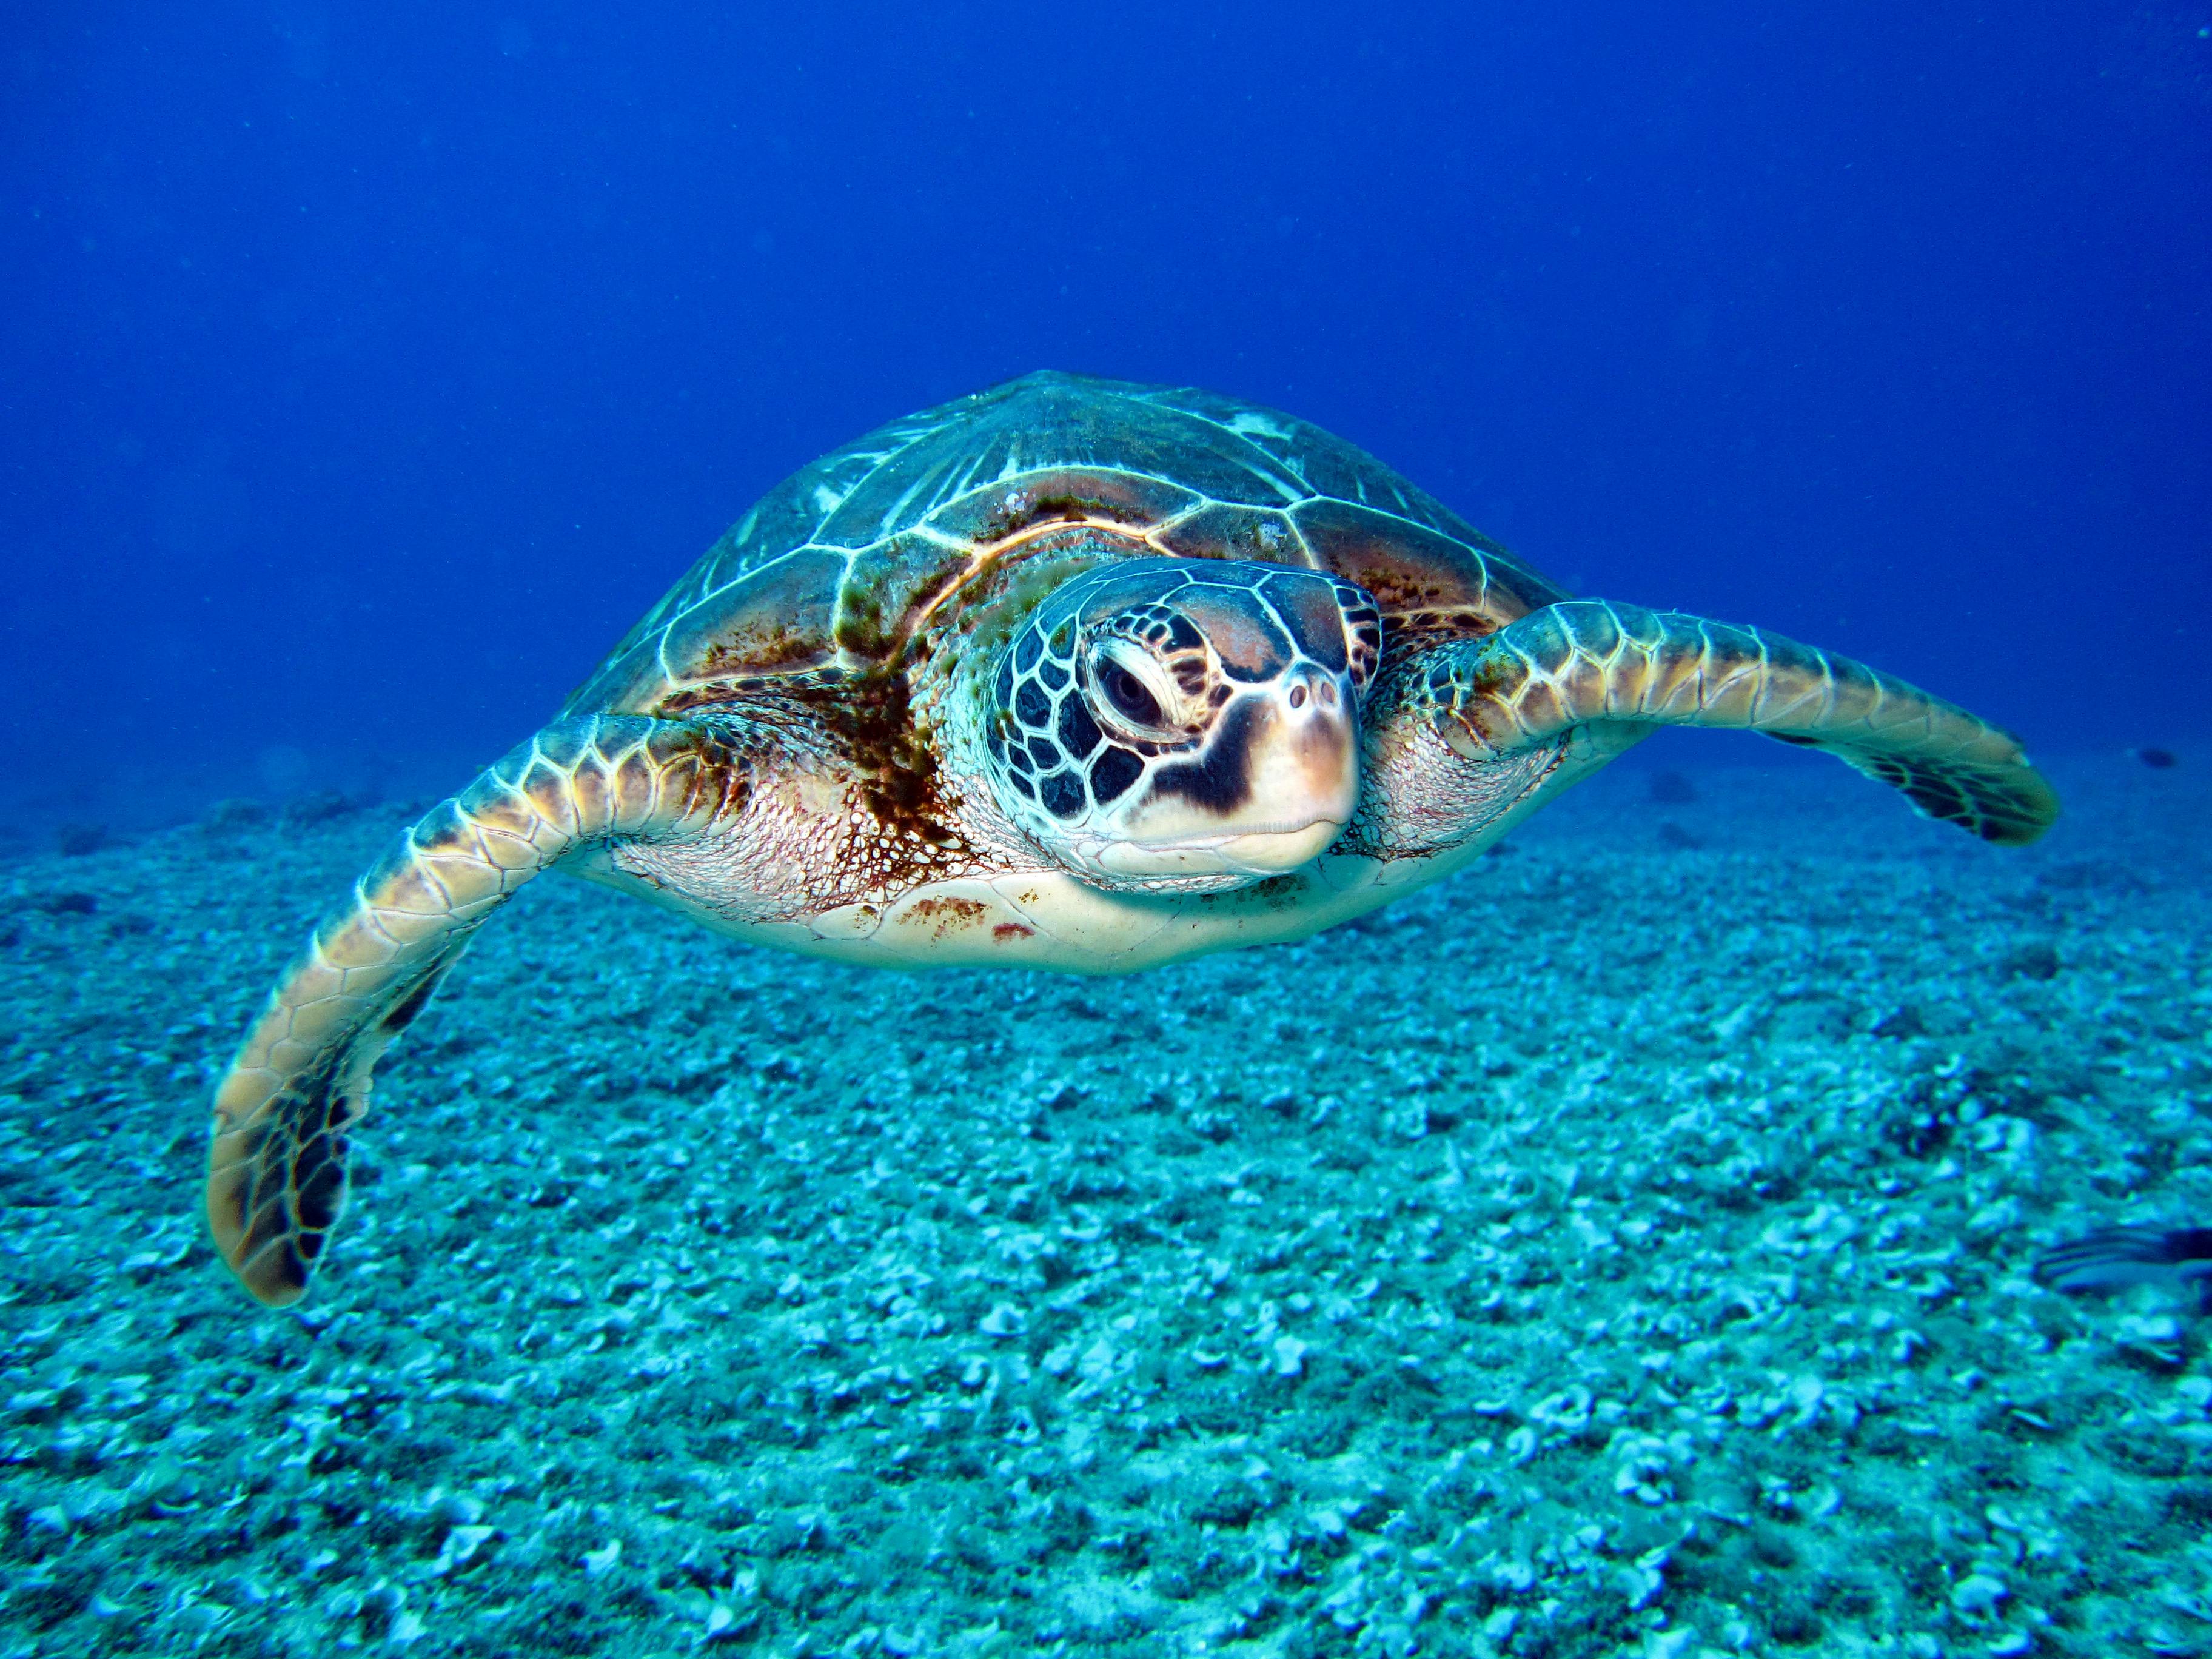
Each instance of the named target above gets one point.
<point>1066,421</point>
<point>1324,463</point>
<point>1412,571</point>
<point>1010,489</point>
<point>787,517</point>
<point>775,618</point>
<point>1007,507</point>
<point>900,580</point>
<point>1236,532</point>
<point>888,498</point>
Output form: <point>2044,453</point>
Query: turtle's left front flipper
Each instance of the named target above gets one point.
<point>1594,663</point>
<point>276,1171</point>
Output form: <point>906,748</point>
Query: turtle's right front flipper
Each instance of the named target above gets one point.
<point>276,1171</point>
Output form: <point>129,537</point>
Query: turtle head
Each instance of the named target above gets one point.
<point>1184,723</point>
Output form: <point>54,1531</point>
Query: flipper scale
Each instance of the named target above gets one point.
<point>1586,661</point>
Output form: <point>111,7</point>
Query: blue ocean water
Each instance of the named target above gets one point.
<point>367,371</point>
<point>1626,1248</point>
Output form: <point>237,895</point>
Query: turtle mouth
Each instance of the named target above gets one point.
<point>1269,849</point>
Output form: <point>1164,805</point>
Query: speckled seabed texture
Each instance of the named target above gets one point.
<point>1623,1249</point>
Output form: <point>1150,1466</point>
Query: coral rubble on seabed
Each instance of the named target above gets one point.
<point>1621,1250</point>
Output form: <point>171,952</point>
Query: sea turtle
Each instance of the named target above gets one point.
<point>1071,673</point>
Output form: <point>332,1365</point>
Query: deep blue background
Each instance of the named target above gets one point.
<point>367,369</point>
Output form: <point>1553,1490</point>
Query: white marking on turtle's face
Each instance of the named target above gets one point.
<point>1184,723</point>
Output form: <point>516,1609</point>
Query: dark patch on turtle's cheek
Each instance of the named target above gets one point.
<point>1220,780</point>
<point>1078,733</point>
<point>1061,795</point>
<point>1112,774</point>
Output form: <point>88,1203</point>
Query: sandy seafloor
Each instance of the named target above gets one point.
<point>1623,1249</point>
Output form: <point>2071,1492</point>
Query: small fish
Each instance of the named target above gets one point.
<point>2159,760</point>
<point>2113,1257</point>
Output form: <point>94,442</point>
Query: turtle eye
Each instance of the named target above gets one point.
<point>1129,695</point>
<point>1131,690</point>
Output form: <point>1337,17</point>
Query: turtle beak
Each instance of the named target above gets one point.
<point>1277,785</point>
<point>1304,764</point>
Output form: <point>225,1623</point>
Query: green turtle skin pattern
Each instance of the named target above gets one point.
<point>1071,674</point>
<point>277,1170</point>
<point>1590,660</point>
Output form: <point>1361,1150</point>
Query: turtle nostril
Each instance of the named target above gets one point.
<point>1298,696</point>
<point>1329,694</point>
